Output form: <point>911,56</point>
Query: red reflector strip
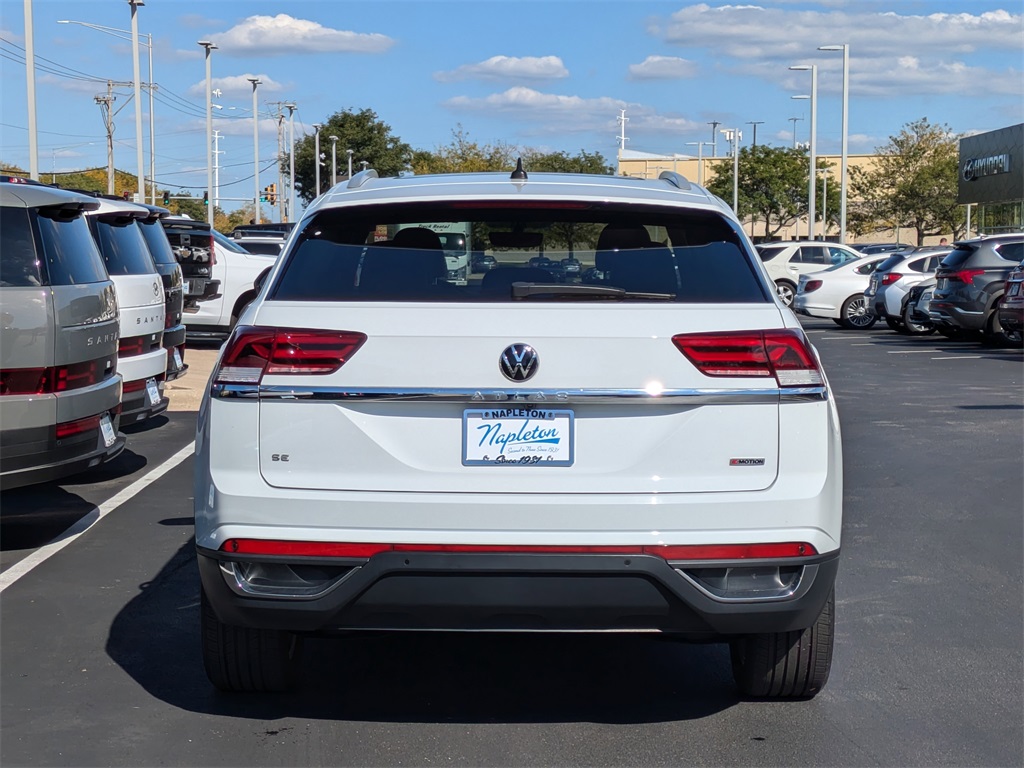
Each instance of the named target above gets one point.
<point>44,381</point>
<point>136,345</point>
<point>668,552</point>
<point>69,428</point>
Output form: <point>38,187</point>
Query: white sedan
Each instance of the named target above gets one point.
<point>838,293</point>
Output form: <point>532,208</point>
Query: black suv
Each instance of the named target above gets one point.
<point>192,244</point>
<point>969,287</point>
<point>171,275</point>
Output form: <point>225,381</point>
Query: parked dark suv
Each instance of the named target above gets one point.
<point>171,274</point>
<point>192,244</point>
<point>969,287</point>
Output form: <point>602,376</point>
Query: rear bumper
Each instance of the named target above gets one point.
<point>948,314</point>
<point>1012,317</point>
<point>34,455</point>
<point>138,406</point>
<point>548,592</point>
<point>174,340</point>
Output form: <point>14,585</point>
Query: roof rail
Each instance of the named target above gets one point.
<point>361,178</point>
<point>676,179</point>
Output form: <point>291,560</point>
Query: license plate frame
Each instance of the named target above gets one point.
<point>521,436</point>
<point>107,430</point>
<point>153,392</point>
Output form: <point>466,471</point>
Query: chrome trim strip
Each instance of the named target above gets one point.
<point>551,397</point>
<point>238,584</point>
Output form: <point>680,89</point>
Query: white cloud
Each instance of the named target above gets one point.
<point>76,86</point>
<point>507,68</point>
<point>236,86</point>
<point>237,127</point>
<point>548,113</point>
<point>284,34</point>
<point>14,37</point>
<point>662,68</point>
<point>930,53</point>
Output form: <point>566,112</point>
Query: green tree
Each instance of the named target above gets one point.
<point>463,155</point>
<point>562,162</point>
<point>368,137</point>
<point>772,186</point>
<point>913,184</point>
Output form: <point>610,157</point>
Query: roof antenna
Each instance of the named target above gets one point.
<point>519,174</point>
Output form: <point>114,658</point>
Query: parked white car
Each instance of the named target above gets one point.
<point>383,448</point>
<point>786,261</point>
<point>838,293</point>
<point>141,356</point>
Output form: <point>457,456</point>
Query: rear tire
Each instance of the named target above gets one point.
<point>996,334</point>
<point>242,659</point>
<point>915,329</point>
<point>786,291</point>
<point>786,665</point>
<point>855,315</point>
<point>894,325</point>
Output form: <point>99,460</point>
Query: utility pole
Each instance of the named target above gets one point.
<point>106,102</point>
<point>137,78</point>
<point>755,123</point>
<point>291,162</point>
<point>621,138</point>
<point>714,137</point>
<point>30,83</point>
<point>278,200</point>
<point>255,150</point>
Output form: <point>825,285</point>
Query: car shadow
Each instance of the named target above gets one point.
<point>436,677</point>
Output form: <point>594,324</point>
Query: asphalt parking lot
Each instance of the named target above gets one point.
<point>100,664</point>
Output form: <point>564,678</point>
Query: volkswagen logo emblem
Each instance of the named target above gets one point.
<point>519,362</point>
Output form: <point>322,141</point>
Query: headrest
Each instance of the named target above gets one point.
<point>417,237</point>
<point>617,237</point>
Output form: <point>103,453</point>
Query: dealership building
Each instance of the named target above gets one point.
<point>991,181</point>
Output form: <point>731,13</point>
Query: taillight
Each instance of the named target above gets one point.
<point>966,275</point>
<point>278,547</point>
<point>811,285</point>
<point>784,354</point>
<point>891,277</point>
<point>69,428</point>
<point>213,252</point>
<point>45,381</point>
<point>251,353</point>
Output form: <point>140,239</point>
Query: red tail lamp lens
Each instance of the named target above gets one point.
<point>69,428</point>
<point>891,277</point>
<point>966,275</point>
<point>784,354</point>
<point>251,353</point>
<point>812,285</point>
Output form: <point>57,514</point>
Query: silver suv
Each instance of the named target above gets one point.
<point>59,389</point>
<point>384,446</point>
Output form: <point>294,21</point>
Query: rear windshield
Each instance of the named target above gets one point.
<point>228,243</point>
<point>575,252</point>
<point>957,256</point>
<point>156,239</point>
<point>69,254</point>
<point>122,245</point>
<point>769,252</point>
<point>263,248</point>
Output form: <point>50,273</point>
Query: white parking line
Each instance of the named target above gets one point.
<point>905,351</point>
<point>826,338</point>
<point>950,357</point>
<point>42,554</point>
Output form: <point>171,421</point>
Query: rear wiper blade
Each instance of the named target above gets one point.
<point>583,292</point>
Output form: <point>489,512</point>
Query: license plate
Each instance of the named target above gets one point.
<point>107,430</point>
<point>541,437</point>
<point>177,358</point>
<point>1014,289</point>
<point>187,285</point>
<point>152,391</point>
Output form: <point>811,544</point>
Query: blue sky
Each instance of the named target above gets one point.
<point>550,75</point>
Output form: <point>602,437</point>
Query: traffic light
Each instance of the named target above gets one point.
<point>265,194</point>
<point>272,194</point>
<point>206,198</point>
<point>167,197</point>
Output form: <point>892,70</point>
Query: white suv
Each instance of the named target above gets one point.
<point>381,448</point>
<point>785,262</point>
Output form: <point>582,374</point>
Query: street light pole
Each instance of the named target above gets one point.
<point>350,153</point>
<point>794,120</point>
<point>843,181</point>
<point>755,123</point>
<point>734,136</point>
<point>334,160</point>
<point>137,77</point>
<point>824,202</point>
<point>255,151</point>
<point>316,156</point>
<point>700,159</point>
<point>811,202</point>
<point>30,84</point>
<point>209,131</point>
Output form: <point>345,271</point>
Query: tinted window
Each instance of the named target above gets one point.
<point>957,256</point>
<point>272,248</point>
<point>19,264</point>
<point>156,239</point>
<point>891,262</point>
<point>769,252</point>
<point>228,243</point>
<point>839,256</point>
<point>383,253</point>
<point>812,254</point>
<point>866,268</point>
<point>71,254</point>
<point>1011,251</point>
<point>918,265</point>
<point>122,245</point>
